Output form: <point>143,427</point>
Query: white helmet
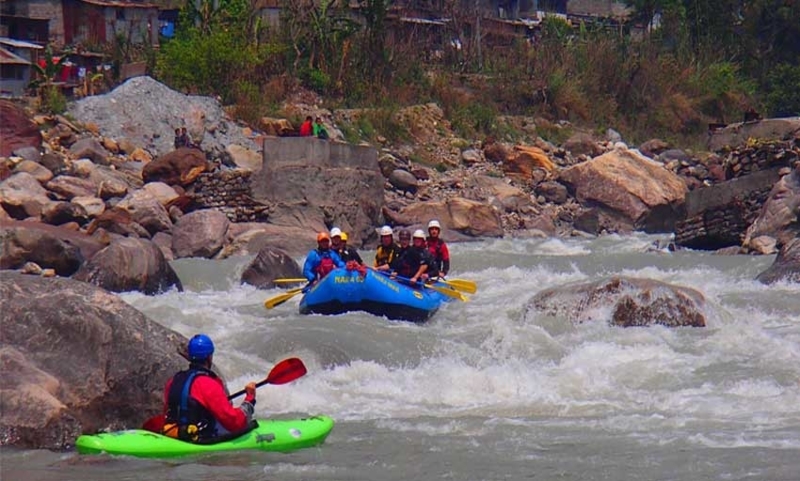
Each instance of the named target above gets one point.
<point>434,223</point>
<point>336,232</point>
<point>418,234</point>
<point>386,230</point>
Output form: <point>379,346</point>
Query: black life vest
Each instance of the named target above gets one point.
<point>186,418</point>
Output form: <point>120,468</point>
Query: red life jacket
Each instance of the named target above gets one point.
<point>325,265</point>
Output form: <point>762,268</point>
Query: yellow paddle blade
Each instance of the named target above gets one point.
<point>281,298</point>
<point>289,281</point>
<point>462,285</point>
<point>449,292</point>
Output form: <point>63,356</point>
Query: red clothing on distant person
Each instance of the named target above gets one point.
<point>210,392</point>
<point>306,128</point>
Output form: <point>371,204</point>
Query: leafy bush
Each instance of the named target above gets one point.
<point>249,104</point>
<point>783,94</point>
<point>52,100</point>
<point>315,79</point>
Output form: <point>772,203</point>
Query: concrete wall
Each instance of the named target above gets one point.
<point>601,8</point>
<point>768,129</point>
<point>316,184</point>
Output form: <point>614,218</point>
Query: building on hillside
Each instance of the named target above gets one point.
<point>93,22</point>
<point>598,8</point>
<point>168,13</point>
<point>27,50</point>
<point>15,74</point>
<point>37,21</point>
<point>269,11</point>
<point>79,22</point>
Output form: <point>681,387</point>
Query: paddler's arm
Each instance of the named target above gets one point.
<point>208,392</point>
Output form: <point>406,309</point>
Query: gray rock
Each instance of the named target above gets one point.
<point>553,192</point>
<point>121,113</point>
<point>95,362</point>
<point>130,264</point>
<point>21,196</point>
<point>199,234</point>
<point>403,180</point>
<point>271,263</point>
<point>91,149</point>
<point>28,153</point>
<point>786,266</point>
<point>623,302</point>
<point>50,247</point>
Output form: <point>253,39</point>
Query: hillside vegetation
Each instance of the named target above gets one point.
<point>706,61</point>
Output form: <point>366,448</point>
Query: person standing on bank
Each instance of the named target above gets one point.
<point>440,264</point>
<point>321,260</point>
<point>196,405</point>
<point>387,250</point>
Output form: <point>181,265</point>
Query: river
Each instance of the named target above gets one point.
<point>486,392</point>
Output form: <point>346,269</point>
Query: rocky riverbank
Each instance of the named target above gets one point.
<point>72,186</point>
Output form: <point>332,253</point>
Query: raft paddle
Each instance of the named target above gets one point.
<point>284,372</point>
<point>281,298</point>
<point>290,281</point>
<point>463,285</point>
<point>442,290</point>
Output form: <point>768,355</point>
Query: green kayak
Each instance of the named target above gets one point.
<point>270,435</point>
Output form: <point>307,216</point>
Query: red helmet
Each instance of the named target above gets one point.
<point>323,236</point>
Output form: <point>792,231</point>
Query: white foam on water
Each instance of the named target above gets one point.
<point>486,358</point>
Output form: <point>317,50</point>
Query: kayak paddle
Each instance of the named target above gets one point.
<point>281,298</point>
<point>284,372</point>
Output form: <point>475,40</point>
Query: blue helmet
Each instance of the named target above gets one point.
<point>200,348</point>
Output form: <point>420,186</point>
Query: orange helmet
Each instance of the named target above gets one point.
<point>323,236</point>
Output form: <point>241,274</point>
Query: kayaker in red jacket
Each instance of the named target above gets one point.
<point>196,405</point>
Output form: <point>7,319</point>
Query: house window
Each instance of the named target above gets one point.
<point>120,14</point>
<point>11,72</point>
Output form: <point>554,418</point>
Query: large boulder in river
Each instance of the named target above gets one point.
<point>624,302</point>
<point>17,130</point>
<point>786,266</point>
<point>781,209</point>
<point>631,186</point>
<point>48,246</point>
<point>270,264</point>
<point>199,234</point>
<point>76,359</point>
<point>130,264</point>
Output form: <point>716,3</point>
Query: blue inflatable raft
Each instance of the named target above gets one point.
<point>344,291</point>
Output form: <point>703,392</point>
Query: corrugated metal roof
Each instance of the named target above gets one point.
<point>8,58</point>
<point>12,42</point>
<point>120,3</point>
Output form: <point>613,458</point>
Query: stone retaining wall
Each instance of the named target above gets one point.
<point>228,191</point>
